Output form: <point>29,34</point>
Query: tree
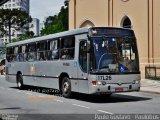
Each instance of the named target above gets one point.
<point>57,23</point>
<point>27,35</point>
<point>13,19</point>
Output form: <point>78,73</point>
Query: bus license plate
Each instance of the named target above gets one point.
<point>119,89</point>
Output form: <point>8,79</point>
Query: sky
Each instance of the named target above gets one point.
<point>43,8</point>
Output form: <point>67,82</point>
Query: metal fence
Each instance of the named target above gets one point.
<point>152,72</point>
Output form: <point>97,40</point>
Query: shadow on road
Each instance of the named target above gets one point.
<point>47,91</point>
<point>14,108</point>
<point>114,98</point>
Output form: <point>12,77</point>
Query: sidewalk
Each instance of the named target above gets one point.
<point>150,86</point>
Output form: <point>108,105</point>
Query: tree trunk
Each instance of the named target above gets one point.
<point>9,26</point>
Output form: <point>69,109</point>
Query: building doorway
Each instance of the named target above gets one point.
<point>126,22</point>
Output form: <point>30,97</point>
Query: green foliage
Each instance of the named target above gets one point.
<point>57,23</point>
<point>13,19</point>
<point>27,35</point>
<point>3,50</point>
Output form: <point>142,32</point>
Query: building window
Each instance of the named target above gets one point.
<point>126,23</point>
<point>86,23</point>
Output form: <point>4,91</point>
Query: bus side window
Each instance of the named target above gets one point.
<point>31,56</point>
<point>16,56</point>
<point>9,54</point>
<point>68,48</point>
<point>24,52</point>
<point>41,47</point>
<point>20,55</point>
<point>83,55</point>
<point>54,49</point>
<point>48,52</point>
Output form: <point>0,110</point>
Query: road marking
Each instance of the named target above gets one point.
<point>105,112</point>
<point>81,106</point>
<point>41,98</point>
<point>28,93</point>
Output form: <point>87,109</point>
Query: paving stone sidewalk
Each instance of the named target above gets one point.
<point>150,86</point>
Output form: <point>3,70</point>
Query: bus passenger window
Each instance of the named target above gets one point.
<point>54,49</point>
<point>41,47</point>
<point>16,55</point>
<point>67,48</point>
<point>10,54</point>
<point>24,53</point>
<point>48,53</point>
<point>21,58</point>
<point>67,54</point>
<point>31,52</point>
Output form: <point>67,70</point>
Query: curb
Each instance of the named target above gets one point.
<point>147,91</point>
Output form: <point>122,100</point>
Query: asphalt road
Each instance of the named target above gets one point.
<point>42,103</point>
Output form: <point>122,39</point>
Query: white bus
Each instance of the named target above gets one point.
<point>91,60</point>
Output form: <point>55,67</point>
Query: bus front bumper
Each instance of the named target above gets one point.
<point>113,88</point>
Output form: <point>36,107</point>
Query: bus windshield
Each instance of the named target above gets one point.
<point>114,55</point>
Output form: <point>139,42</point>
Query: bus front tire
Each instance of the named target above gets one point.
<point>66,87</point>
<point>20,84</point>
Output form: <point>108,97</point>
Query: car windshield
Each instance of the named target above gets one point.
<point>114,54</point>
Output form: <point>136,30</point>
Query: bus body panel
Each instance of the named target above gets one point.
<point>42,74</point>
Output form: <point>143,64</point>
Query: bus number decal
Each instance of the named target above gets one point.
<point>107,77</point>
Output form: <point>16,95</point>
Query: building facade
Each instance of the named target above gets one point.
<point>34,26</point>
<point>140,15</point>
<point>3,1</point>
<point>15,4</point>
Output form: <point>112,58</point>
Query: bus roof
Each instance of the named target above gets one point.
<point>51,36</point>
<point>58,35</point>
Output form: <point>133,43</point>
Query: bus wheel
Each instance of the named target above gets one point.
<point>20,81</point>
<point>66,87</point>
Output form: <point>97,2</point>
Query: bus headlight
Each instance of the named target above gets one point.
<point>94,83</point>
<point>136,81</point>
<point>99,83</point>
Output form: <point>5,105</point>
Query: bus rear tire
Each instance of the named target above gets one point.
<point>66,87</point>
<point>20,84</point>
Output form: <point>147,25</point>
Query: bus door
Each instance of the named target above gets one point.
<point>82,69</point>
